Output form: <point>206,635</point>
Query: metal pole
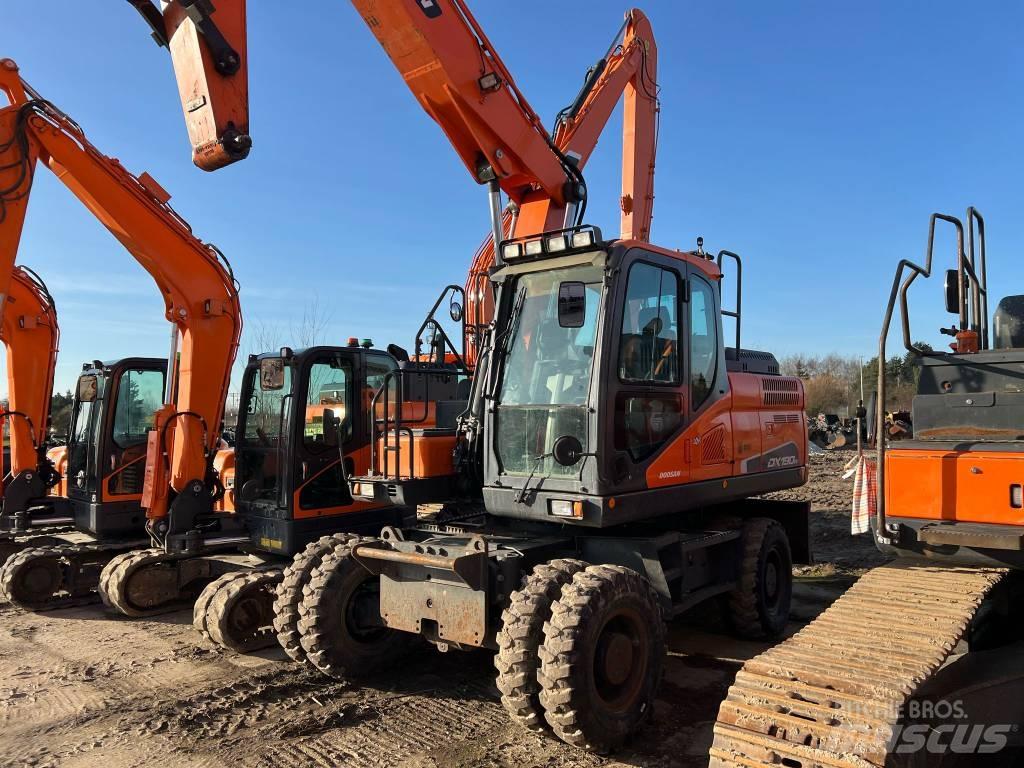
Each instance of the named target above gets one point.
<point>494,196</point>
<point>172,367</point>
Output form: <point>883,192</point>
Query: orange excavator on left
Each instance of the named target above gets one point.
<point>31,335</point>
<point>201,302</point>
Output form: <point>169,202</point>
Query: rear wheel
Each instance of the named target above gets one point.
<point>521,633</point>
<point>602,658</point>
<point>341,628</point>
<point>759,604</point>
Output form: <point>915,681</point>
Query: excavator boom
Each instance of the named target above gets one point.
<point>198,288</point>
<point>31,335</point>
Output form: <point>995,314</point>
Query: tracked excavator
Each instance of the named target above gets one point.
<point>921,662</point>
<point>110,442</point>
<point>608,449</point>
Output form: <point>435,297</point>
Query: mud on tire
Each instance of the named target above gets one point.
<point>521,633</point>
<point>289,591</point>
<point>235,610</point>
<point>759,605</point>
<point>602,658</point>
<point>339,619</point>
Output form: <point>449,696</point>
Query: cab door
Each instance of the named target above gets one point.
<point>710,420</point>
<point>327,420</point>
<point>648,370</point>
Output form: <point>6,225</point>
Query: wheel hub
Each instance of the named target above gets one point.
<point>618,658</point>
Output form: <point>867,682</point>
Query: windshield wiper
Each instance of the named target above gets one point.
<point>524,492</point>
<point>504,342</point>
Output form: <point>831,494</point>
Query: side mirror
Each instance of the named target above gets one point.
<point>272,373</point>
<point>332,426</point>
<point>952,288</point>
<point>87,388</point>
<point>567,451</point>
<point>572,304</point>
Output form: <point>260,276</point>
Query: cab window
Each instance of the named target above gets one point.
<point>648,352</point>
<point>328,413</point>
<point>139,395</point>
<point>703,341</point>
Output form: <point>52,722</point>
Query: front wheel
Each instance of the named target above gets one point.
<point>340,626</point>
<point>602,658</point>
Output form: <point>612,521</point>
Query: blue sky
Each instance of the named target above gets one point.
<point>813,138</point>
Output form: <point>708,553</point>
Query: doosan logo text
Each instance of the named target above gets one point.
<point>670,475</point>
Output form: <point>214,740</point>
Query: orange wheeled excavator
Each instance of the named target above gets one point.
<point>921,662</point>
<point>605,458</point>
<point>202,303</point>
<point>279,461</point>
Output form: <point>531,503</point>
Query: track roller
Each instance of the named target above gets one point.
<point>340,625</point>
<point>236,611</point>
<point>289,591</point>
<point>602,658</point>
<point>522,630</point>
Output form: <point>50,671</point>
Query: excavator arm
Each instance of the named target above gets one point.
<point>453,70</point>
<point>31,335</point>
<point>198,288</point>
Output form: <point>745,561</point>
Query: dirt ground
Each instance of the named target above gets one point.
<point>81,688</point>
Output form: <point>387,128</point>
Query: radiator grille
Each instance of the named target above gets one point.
<point>780,391</point>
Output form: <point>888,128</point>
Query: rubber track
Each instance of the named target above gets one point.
<point>213,608</point>
<point>115,577</point>
<point>74,556</point>
<point>289,592</point>
<point>831,695</point>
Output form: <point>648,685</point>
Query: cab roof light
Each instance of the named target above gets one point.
<point>534,247</point>
<point>558,243</point>
<point>511,251</point>
<point>583,239</point>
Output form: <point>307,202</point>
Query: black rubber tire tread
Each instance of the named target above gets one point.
<point>212,610</point>
<point>289,592</point>
<point>10,571</point>
<point>115,576</point>
<point>319,628</point>
<point>745,613</point>
<point>521,633</point>
<point>564,674</point>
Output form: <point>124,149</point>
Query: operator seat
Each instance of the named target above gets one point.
<point>1008,330</point>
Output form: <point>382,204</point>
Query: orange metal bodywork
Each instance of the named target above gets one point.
<point>199,292</point>
<point>747,423</point>
<point>30,332</point>
<point>215,106</point>
<point>962,486</point>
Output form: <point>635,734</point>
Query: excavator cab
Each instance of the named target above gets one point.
<point>303,430</point>
<point>113,412</point>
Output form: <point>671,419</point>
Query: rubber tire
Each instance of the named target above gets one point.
<point>290,592</point>
<point>521,633</point>
<point>212,612</point>
<point>329,644</point>
<point>567,676</point>
<point>748,611</point>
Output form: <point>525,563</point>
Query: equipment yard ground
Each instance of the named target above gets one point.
<point>79,687</point>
